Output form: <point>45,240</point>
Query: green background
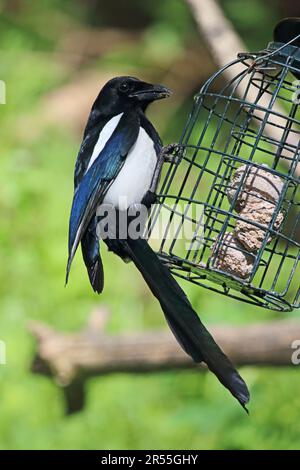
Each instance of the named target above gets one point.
<point>40,55</point>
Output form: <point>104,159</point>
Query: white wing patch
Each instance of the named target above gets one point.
<point>104,136</point>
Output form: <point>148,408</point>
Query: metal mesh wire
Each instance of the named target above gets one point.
<point>253,123</point>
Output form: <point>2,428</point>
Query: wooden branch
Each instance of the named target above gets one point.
<point>72,358</point>
<point>93,352</point>
<point>224,44</point>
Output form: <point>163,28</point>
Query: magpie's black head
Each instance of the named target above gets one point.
<point>123,93</point>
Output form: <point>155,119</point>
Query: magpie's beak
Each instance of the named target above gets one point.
<point>151,93</point>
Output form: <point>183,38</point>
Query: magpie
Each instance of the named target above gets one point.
<point>118,165</point>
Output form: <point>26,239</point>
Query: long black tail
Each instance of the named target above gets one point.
<point>183,320</point>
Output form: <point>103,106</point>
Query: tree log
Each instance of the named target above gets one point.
<point>72,358</point>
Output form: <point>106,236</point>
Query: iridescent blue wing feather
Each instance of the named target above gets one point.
<point>97,179</point>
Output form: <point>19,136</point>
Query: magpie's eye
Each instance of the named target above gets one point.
<point>124,86</point>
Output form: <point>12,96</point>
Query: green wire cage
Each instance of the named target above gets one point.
<point>234,186</point>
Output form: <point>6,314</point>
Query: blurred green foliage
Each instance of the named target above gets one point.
<point>183,410</point>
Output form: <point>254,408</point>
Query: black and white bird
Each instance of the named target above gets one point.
<point>118,164</point>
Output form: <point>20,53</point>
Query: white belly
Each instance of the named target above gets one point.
<point>135,177</point>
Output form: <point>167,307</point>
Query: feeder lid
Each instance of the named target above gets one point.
<point>285,32</point>
<point>284,52</point>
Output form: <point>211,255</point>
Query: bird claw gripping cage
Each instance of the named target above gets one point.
<point>234,186</point>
